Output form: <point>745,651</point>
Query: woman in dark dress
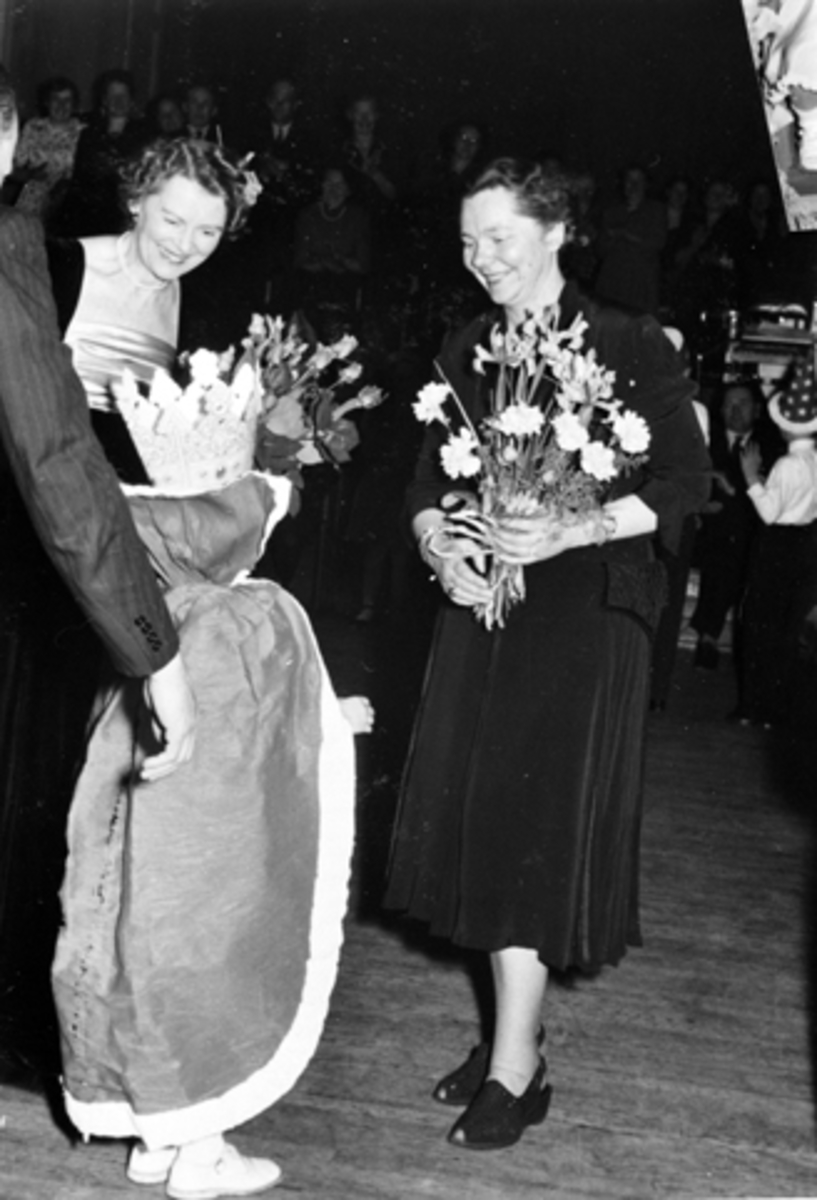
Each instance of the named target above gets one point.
<point>518,832</point>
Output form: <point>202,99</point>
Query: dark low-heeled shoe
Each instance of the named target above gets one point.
<point>459,1087</point>
<point>496,1118</point>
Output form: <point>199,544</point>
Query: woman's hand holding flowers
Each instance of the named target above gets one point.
<point>460,576</point>
<point>529,538</point>
<point>457,560</point>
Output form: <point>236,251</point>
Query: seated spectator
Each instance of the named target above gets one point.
<point>579,258</point>
<point>633,233</point>
<point>729,524</point>
<point>708,278</point>
<point>44,159</point>
<point>114,133</point>
<point>369,159</point>
<point>679,208</point>
<point>285,152</point>
<point>463,149</point>
<point>200,108</point>
<point>437,194</point>
<point>782,582</point>
<point>286,163</point>
<point>762,228</point>
<point>677,565</point>
<point>332,250</point>
<point>165,117</point>
<point>376,172</point>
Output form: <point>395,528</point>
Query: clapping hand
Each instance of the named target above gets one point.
<point>750,462</point>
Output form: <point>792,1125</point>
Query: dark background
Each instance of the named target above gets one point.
<point>598,83</point>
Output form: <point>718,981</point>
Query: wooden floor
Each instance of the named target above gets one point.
<point>687,1072</point>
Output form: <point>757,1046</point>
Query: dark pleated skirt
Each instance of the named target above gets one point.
<point>520,813</point>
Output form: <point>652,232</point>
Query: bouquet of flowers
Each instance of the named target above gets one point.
<point>303,421</point>
<point>554,440</point>
<point>270,406</point>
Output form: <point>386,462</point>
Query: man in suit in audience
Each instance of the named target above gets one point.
<point>729,524</point>
<point>200,110</point>
<point>69,490</point>
<point>286,163</point>
<point>285,154</point>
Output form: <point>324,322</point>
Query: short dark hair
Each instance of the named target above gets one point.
<point>49,87</point>
<point>214,168</point>
<point>543,193</point>
<point>103,82</point>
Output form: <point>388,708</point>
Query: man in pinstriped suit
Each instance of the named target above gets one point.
<point>71,493</point>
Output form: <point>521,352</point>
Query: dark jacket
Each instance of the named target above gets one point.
<point>51,460</point>
<point>649,380</point>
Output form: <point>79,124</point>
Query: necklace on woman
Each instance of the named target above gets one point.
<point>325,213</point>
<point>123,262</point>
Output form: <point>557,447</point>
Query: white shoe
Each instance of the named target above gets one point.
<point>150,1166</point>
<point>232,1174</point>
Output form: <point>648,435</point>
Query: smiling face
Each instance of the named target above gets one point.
<point>512,255</point>
<point>177,228</point>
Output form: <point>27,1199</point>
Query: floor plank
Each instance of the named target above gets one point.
<point>687,1072</point>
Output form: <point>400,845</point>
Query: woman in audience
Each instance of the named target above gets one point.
<point>114,133</point>
<point>332,251</point>
<point>45,153</point>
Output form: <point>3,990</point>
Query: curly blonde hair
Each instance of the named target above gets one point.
<point>212,167</point>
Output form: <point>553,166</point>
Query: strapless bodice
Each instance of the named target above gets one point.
<point>100,352</point>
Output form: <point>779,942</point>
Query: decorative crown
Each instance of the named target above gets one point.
<point>198,438</point>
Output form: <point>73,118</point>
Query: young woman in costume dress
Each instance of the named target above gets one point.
<point>518,830</point>
<point>202,916</point>
<point>119,300</point>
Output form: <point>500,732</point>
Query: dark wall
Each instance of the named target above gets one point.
<point>596,82</point>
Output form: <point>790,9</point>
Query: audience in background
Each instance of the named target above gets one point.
<point>332,255</point>
<point>633,233</point>
<point>777,686</point>
<point>729,524</point>
<point>113,134</point>
<point>165,116</point>
<point>370,244</point>
<point>200,109</point>
<point>285,159</point>
<point>44,160</point>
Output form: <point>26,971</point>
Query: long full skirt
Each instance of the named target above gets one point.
<point>203,913</point>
